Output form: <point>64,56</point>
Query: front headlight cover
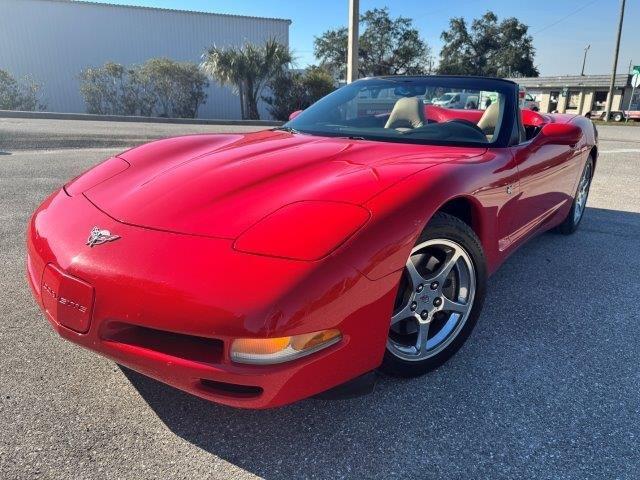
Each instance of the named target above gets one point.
<point>306,230</point>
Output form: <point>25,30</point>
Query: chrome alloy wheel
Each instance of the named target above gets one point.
<point>434,300</point>
<point>583,193</point>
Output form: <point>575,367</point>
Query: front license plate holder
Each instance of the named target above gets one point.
<point>67,300</point>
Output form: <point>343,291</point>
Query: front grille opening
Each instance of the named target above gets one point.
<point>230,389</point>
<point>178,345</point>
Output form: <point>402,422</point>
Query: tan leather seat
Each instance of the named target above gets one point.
<point>407,113</point>
<point>489,120</point>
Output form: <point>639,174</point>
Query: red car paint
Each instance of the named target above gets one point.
<point>436,113</point>
<point>189,274</point>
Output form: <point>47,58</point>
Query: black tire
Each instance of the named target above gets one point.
<point>448,227</point>
<point>618,117</point>
<point>570,223</point>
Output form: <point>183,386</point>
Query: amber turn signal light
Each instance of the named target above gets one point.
<point>265,351</point>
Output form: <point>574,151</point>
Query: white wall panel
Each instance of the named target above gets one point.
<point>53,40</point>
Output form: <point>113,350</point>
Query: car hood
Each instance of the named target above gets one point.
<point>220,185</point>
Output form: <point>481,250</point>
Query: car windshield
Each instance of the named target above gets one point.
<point>427,110</point>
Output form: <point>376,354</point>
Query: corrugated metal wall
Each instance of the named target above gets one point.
<point>52,40</point>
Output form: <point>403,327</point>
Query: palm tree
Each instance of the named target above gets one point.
<point>246,70</point>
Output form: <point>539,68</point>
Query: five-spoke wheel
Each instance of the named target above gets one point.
<point>439,297</point>
<point>434,299</point>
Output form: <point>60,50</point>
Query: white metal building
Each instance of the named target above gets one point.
<point>53,40</point>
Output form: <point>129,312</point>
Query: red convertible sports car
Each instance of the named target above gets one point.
<point>258,269</point>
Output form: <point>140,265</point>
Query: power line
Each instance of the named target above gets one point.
<point>565,17</point>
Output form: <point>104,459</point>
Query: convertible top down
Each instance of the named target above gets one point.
<point>258,269</point>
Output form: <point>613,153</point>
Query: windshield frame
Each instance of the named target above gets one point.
<point>508,89</point>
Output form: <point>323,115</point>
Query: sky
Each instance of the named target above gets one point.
<point>561,29</point>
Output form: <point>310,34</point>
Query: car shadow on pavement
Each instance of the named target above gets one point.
<point>543,388</point>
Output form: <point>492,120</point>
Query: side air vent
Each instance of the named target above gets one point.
<point>230,389</point>
<point>177,345</point>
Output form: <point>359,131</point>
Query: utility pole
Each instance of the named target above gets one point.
<point>584,60</point>
<point>615,63</point>
<point>352,47</point>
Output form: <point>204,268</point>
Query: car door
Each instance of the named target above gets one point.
<point>547,181</point>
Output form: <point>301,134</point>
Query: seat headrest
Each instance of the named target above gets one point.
<point>489,120</point>
<point>407,112</point>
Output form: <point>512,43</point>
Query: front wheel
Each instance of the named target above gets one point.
<point>439,298</point>
<point>618,117</point>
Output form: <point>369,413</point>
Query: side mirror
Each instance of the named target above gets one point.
<point>558,134</point>
<point>293,115</point>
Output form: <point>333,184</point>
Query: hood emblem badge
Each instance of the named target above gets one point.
<point>98,237</point>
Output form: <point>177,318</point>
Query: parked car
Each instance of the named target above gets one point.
<point>460,100</point>
<point>257,269</point>
<point>531,103</point>
<point>595,114</point>
<point>528,101</point>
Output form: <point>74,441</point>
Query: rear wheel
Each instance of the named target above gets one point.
<point>574,217</point>
<point>618,117</point>
<point>439,298</point>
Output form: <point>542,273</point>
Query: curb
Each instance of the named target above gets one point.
<point>123,118</point>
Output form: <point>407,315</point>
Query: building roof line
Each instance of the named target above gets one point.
<point>578,81</point>
<point>619,74</point>
<point>161,9</point>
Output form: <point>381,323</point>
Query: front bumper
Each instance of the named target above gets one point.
<point>168,305</point>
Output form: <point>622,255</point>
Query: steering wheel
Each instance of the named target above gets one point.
<point>467,123</point>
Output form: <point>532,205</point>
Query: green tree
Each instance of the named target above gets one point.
<point>18,95</point>
<point>318,83</point>
<point>159,86</point>
<point>488,48</point>
<point>291,91</point>
<point>103,90</point>
<point>247,70</point>
<point>386,47</point>
<point>178,87</point>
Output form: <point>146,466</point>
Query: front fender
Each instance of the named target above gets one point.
<point>400,213</point>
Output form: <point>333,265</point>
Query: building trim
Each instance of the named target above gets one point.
<point>161,9</point>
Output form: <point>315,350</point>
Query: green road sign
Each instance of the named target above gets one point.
<point>636,69</point>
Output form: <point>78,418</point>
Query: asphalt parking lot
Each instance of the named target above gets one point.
<point>547,387</point>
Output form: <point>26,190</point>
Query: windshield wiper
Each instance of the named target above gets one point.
<point>287,129</point>
<point>293,130</point>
